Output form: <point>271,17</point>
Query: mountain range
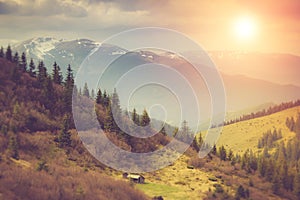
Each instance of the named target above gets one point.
<point>250,79</point>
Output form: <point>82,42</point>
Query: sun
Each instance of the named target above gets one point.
<point>245,28</point>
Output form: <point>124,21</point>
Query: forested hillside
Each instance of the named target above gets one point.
<point>41,157</point>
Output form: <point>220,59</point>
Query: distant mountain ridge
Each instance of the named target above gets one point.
<point>281,68</point>
<point>250,79</point>
<point>64,52</point>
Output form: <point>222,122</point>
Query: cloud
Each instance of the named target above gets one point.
<point>8,7</point>
<point>43,8</point>
<point>285,9</point>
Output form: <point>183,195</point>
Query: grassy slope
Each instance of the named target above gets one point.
<point>70,174</point>
<point>245,135</point>
<point>178,182</point>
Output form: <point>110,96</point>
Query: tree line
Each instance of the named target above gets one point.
<point>280,167</point>
<point>265,112</point>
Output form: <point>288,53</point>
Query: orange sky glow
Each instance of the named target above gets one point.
<point>274,24</point>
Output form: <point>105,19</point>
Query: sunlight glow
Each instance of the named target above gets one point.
<point>245,28</point>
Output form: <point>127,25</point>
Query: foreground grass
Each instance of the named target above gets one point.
<point>167,191</point>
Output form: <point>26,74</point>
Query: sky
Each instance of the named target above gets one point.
<point>247,25</point>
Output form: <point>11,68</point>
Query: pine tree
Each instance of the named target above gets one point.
<point>23,63</point>
<point>42,72</point>
<point>184,133</point>
<point>8,54</point>
<point>65,136</point>
<point>99,97</point>
<point>108,120</point>
<point>145,120</point>
<point>48,94</point>
<point>32,72</point>
<point>214,150</point>
<point>230,155</point>
<point>86,91</point>
<point>1,52</point>
<point>116,110</point>
<point>195,145</point>
<point>56,74</point>
<point>222,153</point>
<point>105,99</point>
<point>135,117</point>
<point>16,58</point>
<point>13,146</point>
<point>68,93</point>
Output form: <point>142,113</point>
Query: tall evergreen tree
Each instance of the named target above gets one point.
<point>185,134</point>
<point>8,54</point>
<point>65,136</point>
<point>56,74</point>
<point>42,72</point>
<point>86,91</point>
<point>23,63</point>
<point>222,153</point>
<point>99,97</point>
<point>145,119</point>
<point>13,146</point>
<point>105,99</point>
<point>116,110</point>
<point>135,117</point>
<point>16,58</point>
<point>48,94</point>
<point>1,52</point>
<point>32,68</point>
<point>68,93</point>
<point>108,120</point>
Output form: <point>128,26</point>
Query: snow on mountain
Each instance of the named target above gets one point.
<point>38,46</point>
<point>52,50</point>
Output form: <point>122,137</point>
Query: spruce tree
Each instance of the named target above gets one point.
<point>195,145</point>
<point>8,54</point>
<point>42,72</point>
<point>13,146</point>
<point>65,136</point>
<point>56,74</point>
<point>222,153</point>
<point>145,120</point>
<point>1,52</point>
<point>99,97</point>
<point>116,110</point>
<point>16,58</point>
<point>86,91</point>
<point>23,63</point>
<point>32,72</point>
<point>135,117</point>
<point>108,120</point>
<point>105,99</point>
<point>68,93</point>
